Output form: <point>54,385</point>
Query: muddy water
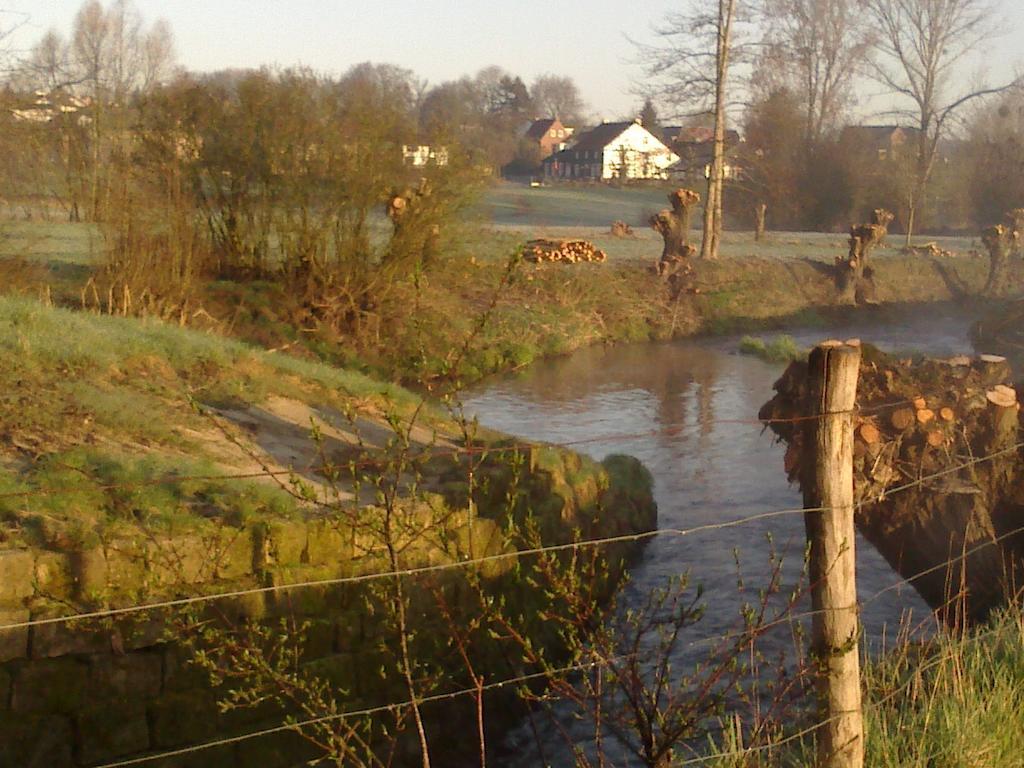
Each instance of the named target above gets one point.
<point>688,410</point>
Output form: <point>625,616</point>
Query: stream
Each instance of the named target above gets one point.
<point>688,411</point>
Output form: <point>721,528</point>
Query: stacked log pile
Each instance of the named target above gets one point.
<point>948,429</point>
<point>565,251</point>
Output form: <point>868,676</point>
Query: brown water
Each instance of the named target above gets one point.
<point>688,410</point>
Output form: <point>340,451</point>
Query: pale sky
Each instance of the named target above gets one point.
<point>437,40</point>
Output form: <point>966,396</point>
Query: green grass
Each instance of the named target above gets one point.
<point>47,242</point>
<point>88,401</point>
<point>956,701</point>
<point>563,205</point>
<point>104,492</point>
<point>41,340</point>
<point>779,349</point>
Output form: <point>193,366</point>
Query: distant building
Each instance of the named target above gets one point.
<point>549,135</point>
<point>419,155</point>
<point>885,142</point>
<point>612,151</point>
<point>47,106</point>
<point>695,147</point>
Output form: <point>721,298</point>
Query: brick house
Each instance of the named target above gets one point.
<point>548,134</point>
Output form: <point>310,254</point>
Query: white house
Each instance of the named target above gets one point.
<point>612,151</point>
<point>419,155</point>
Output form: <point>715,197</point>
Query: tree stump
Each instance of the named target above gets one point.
<point>673,224</point>
<point>953,526</point>
<point>854,274</point>
<point>621,229</point>
<point>412,233</point>
<point>1014,220</point>
<point>760,213</point>
<point>882,218</point>
<point>998,241</point>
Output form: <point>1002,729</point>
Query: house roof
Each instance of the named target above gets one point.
<point>877,133</point>
<point>695,134</point>
<point>538,128</point>
<point>601,136</point>
<point>700,136</point>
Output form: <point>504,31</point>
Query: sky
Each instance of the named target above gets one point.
<point>589,41</point>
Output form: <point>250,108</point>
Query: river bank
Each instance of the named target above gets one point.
<point>147,464</point>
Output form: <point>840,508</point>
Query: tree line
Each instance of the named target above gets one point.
<point>789,72</point>
<point>786,74</point>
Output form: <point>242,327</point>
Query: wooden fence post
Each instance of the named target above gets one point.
<point>828,483</point>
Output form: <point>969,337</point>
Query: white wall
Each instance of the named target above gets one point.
<point>637,154</point>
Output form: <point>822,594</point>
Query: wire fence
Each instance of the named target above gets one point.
<point>476,562</point>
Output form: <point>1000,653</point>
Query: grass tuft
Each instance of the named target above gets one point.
<point>781,349</point>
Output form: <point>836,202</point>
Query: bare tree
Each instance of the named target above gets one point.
<point>556,96</point>
<point>110,58</point>
<point>816,47</point>
<point>692,67</point>
<point>919,56</point>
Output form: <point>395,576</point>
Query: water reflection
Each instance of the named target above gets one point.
<point>688,411</point>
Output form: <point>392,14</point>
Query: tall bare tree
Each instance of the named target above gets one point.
<point>111,57</point>
<point>920,50</point>
<point>557,96</point>
<point>816,47</point>
<point>692,67</point>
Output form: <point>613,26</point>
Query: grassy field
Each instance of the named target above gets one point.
<point>588,211</point>
<point>540,310</point>
<point>589,205</point>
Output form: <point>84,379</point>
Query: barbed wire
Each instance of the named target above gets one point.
<point>547,675</point>
<point>414,571</point>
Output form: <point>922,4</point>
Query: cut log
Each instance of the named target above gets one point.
<point>869,433</point>
<point>920,403</point>
<point>925,416</point>
<point>566,251</point>
<point>946,414</point>
<point>1002,396</point>
<point>903,418</point>
<point>935,438</point>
